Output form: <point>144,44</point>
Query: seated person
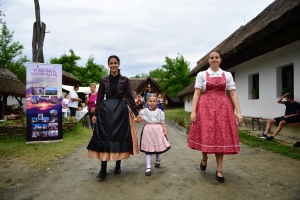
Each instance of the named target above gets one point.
<point>292,111</point>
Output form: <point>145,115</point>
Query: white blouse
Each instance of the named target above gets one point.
<point>201,79</point>
<point>153,116</point>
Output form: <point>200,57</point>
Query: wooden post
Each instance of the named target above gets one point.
<point>39,29</point>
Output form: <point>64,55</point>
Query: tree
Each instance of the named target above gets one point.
<point>8,49</point>
<point>176,75</point>
<point>142,75</point>
<point>9,52</point>
<point>157,73</point>
<point>92,72</point>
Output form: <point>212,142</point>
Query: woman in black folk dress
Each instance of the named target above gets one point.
<point>114,136</point>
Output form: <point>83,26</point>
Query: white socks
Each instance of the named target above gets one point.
<point>148,161</point>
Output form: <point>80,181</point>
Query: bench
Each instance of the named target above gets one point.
<point>254,120</point>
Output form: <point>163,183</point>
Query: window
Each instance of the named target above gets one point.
<point>254,86</point>
<point>285,77</point>
<point>233,76</point>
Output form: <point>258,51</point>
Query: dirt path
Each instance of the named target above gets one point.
<point>252,174</point>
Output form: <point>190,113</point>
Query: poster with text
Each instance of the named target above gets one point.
<point>43,102</point>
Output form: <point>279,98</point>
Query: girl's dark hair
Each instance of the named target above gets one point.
<point>113,56</point>
<point>76,85</point>
<point>217,51</point>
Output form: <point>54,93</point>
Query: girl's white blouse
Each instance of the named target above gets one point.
<point>201,79</point>
<point>153,116</point>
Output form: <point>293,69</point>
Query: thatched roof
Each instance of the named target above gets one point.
<point>276,26</point>
<point>69,75</point>
<point>136,82</point>
<point>10,85</point>
<point>187,91</point>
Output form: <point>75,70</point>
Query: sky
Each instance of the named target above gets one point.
<point>140,32</point>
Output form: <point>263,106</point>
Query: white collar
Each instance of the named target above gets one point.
<point>219,72</point>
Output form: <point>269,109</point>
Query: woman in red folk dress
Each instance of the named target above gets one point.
<point>214,122</point>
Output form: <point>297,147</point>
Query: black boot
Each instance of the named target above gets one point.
<point>118,167</point>
<point>102,173</point>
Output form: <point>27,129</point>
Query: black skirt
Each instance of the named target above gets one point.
<point>112,129</point>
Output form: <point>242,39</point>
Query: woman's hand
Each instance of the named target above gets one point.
<point>138,119</point>
<point>94,119</point>
<point>193,117</point>
<point>239,118</point>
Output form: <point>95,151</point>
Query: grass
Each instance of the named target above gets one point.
<point>40,155</point>
<point>183,119</point>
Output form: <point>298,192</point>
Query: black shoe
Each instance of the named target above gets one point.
<point>203,167</point>
<point>117,170</point>
<point>102,174</point>
<point>270,138</point>
<point>157,163</point>
<point>219,178</point>
<point>148,173</point>
<point>297,144</point>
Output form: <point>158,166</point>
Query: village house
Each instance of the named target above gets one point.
<point>264,59</point>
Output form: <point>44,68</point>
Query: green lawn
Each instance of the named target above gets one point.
<point>183,119</point>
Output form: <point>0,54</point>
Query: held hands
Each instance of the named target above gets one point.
<point>138,119</point>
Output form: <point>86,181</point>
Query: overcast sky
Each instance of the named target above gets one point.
<point>141,32</point>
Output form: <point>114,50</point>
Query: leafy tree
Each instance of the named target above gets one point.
<point>11,54</point>
<point>176,75</point>
<point>142,75</point>
<point>157,73</point>
<point>92,72</point>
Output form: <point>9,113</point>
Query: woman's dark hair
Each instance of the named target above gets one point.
<point>113,56</point>
<point>217,51</point>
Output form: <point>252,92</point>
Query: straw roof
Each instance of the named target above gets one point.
<point>69,75</point>
<point>10,85</point>
<point>136,82</point>
<point>276,26</point>
<point>187,91</point>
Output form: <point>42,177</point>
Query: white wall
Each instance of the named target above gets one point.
<point>188,103</point>
<point>12,100</point>
<point>266,65</point>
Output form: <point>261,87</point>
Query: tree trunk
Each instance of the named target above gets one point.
<point>39,29</point>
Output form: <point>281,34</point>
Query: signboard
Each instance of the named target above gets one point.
<point>43,102</point>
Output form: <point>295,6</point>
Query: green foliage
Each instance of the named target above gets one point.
<point>10,52</point>
<point>142,75</point>
<point>287,90</point>
<point>254,92</point>
<point>157,73</point>
<point>92,72</point>
<point>175,78</point>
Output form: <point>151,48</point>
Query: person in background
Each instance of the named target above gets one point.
<point>139,102</point>
<point>114,136</point>
<point>73,101</point>
<point>291,114</point>
<point>147,93</point>
<point>90,101</point>
<point>214,123</point>
<point>160,102</point>
<point>65,105</point>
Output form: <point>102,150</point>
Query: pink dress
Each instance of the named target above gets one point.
<point>153,140</point>
<point>215,129</point>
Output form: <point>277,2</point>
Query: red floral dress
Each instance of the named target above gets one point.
<point>215,129</point>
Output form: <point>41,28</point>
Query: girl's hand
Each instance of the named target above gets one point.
<point>94,119</point>
<point>138,119</point>
<point>165,132</point>
<point>239,118</point>
<point>193,117</point>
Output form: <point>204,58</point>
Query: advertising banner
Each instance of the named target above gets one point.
<point>43,102</point>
